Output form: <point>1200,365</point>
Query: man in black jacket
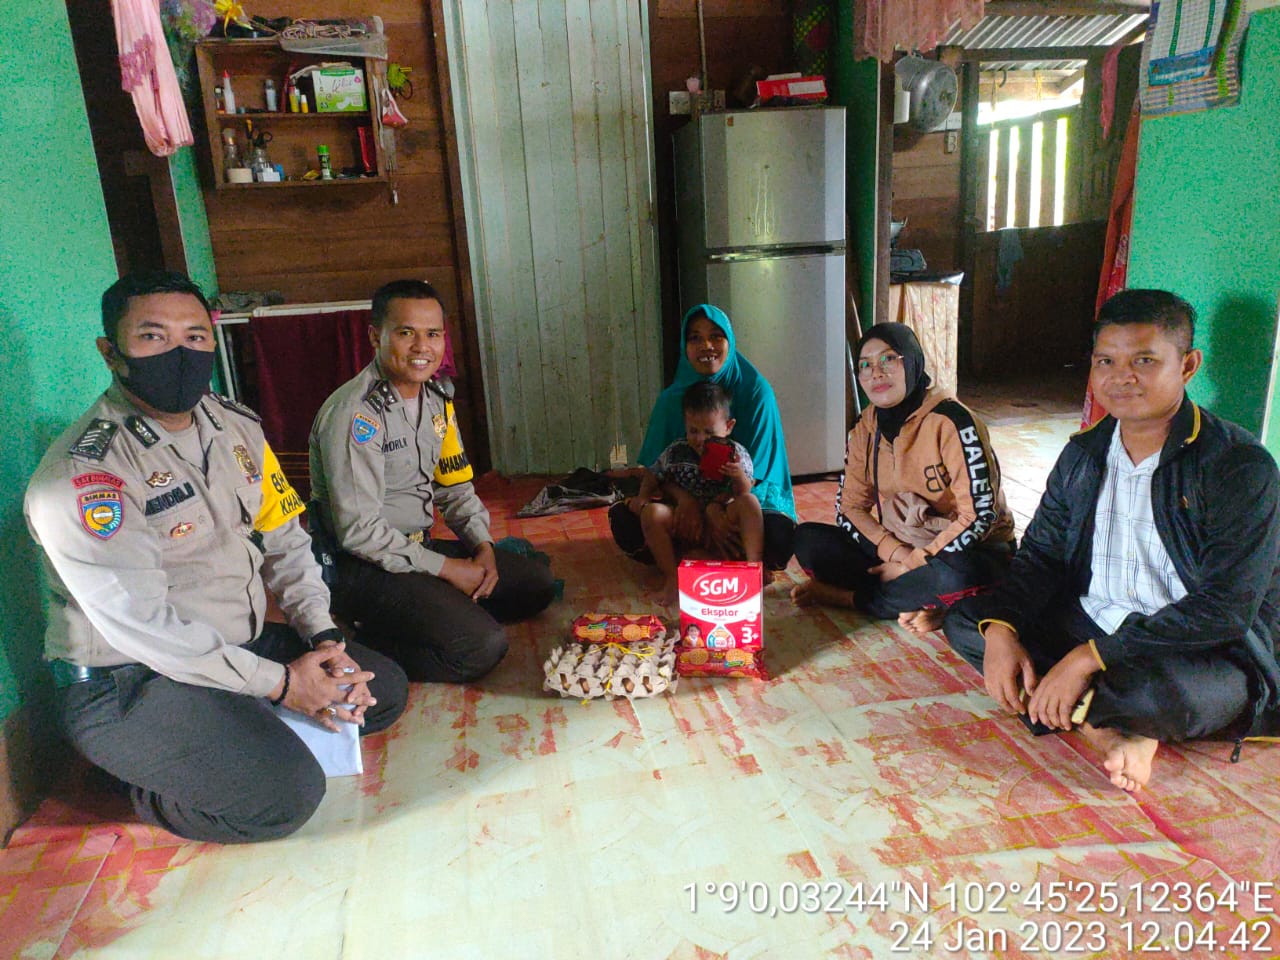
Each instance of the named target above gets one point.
<point>1144,602</point>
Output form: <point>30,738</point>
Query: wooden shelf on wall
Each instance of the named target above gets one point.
<point>294,136</point>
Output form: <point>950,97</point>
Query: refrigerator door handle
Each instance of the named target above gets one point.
<point>774,253</point>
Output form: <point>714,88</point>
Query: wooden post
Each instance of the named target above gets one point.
<point>1002,179</point>
<point>1021,174</point>
<point>884,193</point>
<point>477,434</point>
<point>973,203</point>
<point>1048,169</point>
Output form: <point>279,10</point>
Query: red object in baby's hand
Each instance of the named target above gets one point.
<point>718,452</point>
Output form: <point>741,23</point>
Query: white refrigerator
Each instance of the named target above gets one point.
<point>761,222</point>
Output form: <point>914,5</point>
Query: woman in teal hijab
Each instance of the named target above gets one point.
<point>711,353</point>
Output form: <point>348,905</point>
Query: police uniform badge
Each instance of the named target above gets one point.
<point>160,478</point>
<point>101,512</point>
<point>440,424</point>
<point>95,441</point>
<point>244,460</point>
<point>364,428</point>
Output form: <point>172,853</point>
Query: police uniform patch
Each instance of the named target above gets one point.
<point>97,479</point>
<point>364,428</point>
<point>96,440</point>
<point>142,430</point>
<point>101,512</point>
<point>181,530</point>
<point>440,424</point>
<point>245,461</point>
<point>160,479</point>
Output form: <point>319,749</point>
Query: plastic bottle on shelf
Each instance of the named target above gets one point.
<point>228,95</point>
<point>269,94</point>
<point>326,170</point>
<point>293,97</point>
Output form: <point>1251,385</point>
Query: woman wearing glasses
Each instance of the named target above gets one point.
<point>920,518</point>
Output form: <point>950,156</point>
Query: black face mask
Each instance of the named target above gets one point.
<point>172,382</point>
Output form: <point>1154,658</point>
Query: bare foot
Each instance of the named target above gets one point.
<point>921,622</point>
<point>1126,757</point>
<point>816,593</point>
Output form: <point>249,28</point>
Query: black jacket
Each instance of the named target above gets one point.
<point>1216,501</point>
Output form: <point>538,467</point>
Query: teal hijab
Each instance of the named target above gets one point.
<point>759,423</point>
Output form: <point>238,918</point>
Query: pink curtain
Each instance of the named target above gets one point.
<point>879,26</point>
<point>147,74</point>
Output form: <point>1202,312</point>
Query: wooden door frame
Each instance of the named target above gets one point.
<point>479,451</point>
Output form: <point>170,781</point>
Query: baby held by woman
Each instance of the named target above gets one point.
<point>697,495</point>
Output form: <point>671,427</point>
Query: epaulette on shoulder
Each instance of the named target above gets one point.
<point>442,386</point>
<point>235,407</point>
<point>381,396</point>
<point>94,443</point>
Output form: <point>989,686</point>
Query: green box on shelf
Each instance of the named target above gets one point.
<point>340,88</point>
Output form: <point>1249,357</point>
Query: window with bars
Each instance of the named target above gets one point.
<point>1024,180</point>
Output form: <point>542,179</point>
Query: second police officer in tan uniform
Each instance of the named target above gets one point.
<point>385,453</point>
<point>162,514</point>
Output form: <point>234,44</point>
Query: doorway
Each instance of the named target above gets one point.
<point>1043,139</point>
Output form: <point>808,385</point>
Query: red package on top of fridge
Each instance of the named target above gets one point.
<point>721,619</point>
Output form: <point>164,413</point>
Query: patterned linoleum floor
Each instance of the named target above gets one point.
<point>866,802</point>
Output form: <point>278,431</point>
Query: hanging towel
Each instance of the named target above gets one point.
<point>147,74</point>
<point>1008,254</point>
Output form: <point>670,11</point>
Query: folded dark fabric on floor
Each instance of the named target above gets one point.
<point>581,490</point>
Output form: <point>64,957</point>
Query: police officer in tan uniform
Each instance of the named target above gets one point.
<point>162,513</point>
<point>385,454</point>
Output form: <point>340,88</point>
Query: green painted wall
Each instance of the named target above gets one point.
<point>1206,225</point>
<point>856,86</point>
<point>55,261</point>
<point>193,220</point>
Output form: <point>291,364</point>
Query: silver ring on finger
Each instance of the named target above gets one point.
<point>331,711</point>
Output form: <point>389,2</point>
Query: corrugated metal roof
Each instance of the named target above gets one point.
<point>1003,32</point>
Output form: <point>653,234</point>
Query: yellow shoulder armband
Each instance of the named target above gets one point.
<point>454,467</point>
<point>280,502</point>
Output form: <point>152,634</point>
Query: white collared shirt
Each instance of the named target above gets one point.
<point>1132,572</point>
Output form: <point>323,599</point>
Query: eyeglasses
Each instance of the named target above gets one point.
<point>885,362</point>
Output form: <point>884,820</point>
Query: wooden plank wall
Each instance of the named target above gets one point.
<point>1043,319</point>
<point>926,192</point>
<point>740,35</point>
<point>553,120</point>
<point>315,244</point>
